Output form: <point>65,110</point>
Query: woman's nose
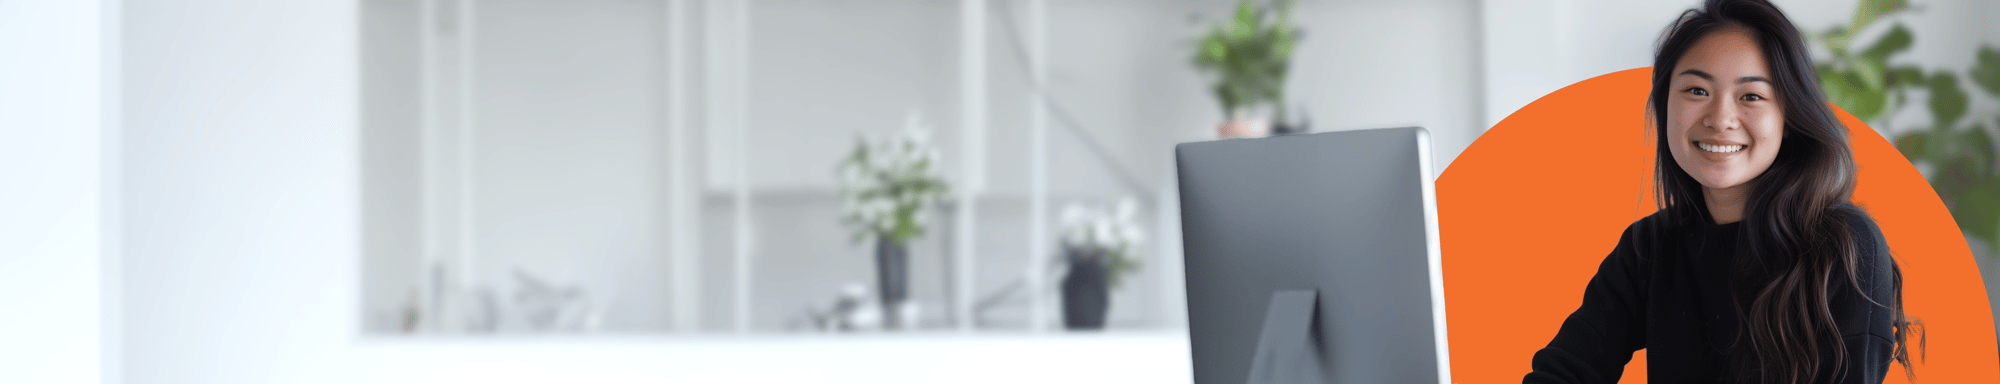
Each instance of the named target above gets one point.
<point>1721,116</point>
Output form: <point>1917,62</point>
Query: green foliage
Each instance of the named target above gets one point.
<point>1961,157</point>
<point>1250,54</point>
<point>1116,268</point>
<point>1859,79</point>
<point>1947,101</point>
<point>1870,10</point>
<point>1987,72</point>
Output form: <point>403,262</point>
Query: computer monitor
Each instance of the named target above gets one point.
<point>1313,258</point>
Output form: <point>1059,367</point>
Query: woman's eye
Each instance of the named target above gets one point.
<point>1697,91</point>
<point>1752,97</point>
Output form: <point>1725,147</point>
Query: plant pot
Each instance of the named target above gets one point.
<point>1247,121</point>
<point>892,277</point>
<point>1086,292</point>
<point>1243,128</point>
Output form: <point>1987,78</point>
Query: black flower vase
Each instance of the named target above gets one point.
<point>892,276</point>
<point>1086,292</point>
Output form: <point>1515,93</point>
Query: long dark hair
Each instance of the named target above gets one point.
<point>1794,227</point>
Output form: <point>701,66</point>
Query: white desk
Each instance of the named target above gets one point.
<point>1096,358</point>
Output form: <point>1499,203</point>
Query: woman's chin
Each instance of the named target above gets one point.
<point>1722,181</point>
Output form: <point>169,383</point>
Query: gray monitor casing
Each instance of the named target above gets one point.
<point>1351,215</point>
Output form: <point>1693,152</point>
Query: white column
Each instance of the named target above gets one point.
<point>683,244</point>
<point>972,122</point>
<point>432,170</point>
<point>1038,164</point>
<point>726,50</point>
<point>467,142</point>
<point>745,246</point>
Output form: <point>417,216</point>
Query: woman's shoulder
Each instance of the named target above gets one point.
<point>1653,227</point>
<point>1652,223</point>
<point>1868,242</point>
<point>1646,234</point>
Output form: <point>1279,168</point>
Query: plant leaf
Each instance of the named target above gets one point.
<point>1986,72</point>
<point>1977,144</point>
<point>1978,211</point>
<point>1947,101</point>
<point>1904,76</point>
<point>1914,145</point>
<point>1844,89</point>
<point>1898,40</point>
<point>1870,10</point>
<point>1837,38</point>
<point>1871,74</point>
<point>1246,20</point>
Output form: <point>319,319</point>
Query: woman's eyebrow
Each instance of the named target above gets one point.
<point>1739,80</point>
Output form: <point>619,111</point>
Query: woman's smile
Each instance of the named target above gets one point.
<point>1721,148</point>
<point>1721,151</point>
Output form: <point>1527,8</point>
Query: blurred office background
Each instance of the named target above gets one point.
<point>646,190</point>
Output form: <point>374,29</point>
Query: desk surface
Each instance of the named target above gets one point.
<point>987,357</point>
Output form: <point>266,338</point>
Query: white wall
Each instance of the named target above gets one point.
<point>1380,64</point>
<point>51,234</point>
<point>240,191</point>
<point>567,103</point>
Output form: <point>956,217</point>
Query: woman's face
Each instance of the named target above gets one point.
<point>1723,114</point>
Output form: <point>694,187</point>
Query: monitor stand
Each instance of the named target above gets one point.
<point>1288,349</point>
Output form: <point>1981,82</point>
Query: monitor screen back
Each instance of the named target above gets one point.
<point>1349,214</point>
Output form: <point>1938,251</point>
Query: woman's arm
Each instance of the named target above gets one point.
<point>1599,338</point>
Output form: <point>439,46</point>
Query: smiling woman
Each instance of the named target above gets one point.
<point>1756,268</point>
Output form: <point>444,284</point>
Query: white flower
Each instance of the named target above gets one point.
<point>1102,232</point>
<point>854,290</point>
<point>875,180</point>
<point>1131,235</point>
<point>1093,226</point>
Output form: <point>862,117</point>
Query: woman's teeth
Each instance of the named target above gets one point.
<point>1720,148</point>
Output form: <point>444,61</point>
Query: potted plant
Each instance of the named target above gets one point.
<point>1958,146</point>
<point>1250,56</point>
<point>1098,246</point>
<point>886,187</point>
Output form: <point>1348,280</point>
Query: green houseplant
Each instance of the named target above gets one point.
<point>1249,55</point>
<point>1958,151</point>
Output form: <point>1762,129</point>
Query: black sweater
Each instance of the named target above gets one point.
<point>1669,291</point>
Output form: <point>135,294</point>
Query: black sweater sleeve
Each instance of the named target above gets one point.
<point>1598,339</point>
<point>1866,323</point>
